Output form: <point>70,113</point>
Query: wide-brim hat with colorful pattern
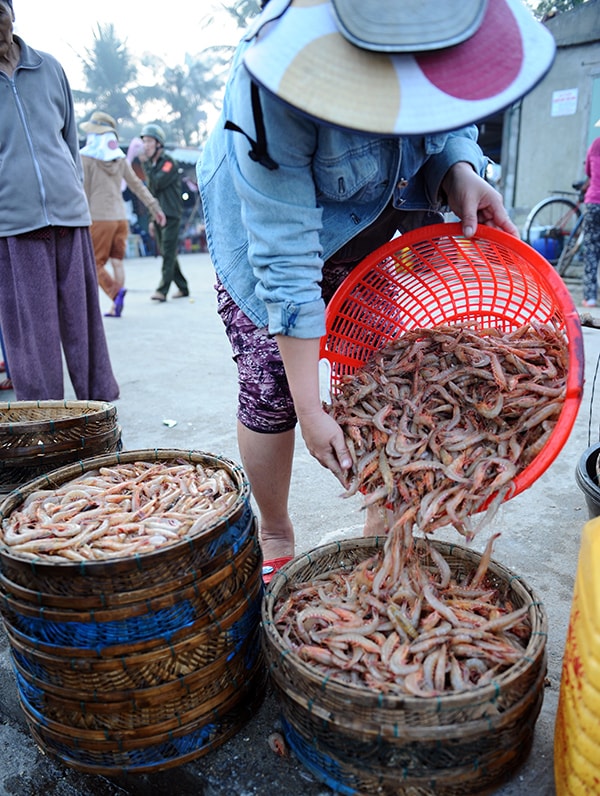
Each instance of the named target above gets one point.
<point>398,66</point>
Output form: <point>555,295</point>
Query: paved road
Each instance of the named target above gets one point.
<point>173,364</point>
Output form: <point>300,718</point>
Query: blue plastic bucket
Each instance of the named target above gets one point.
<point>547,247</point>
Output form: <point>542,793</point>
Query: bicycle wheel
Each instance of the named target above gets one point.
<point>549,225</point>
<point>571,249</point>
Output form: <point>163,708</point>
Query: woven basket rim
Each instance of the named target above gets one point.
<point>143,696</point>
<point>229,724</point>
<point>202,710</point>
<point>34,455</point>
<point>97,741</point>
<point>138,607</point>
<point>57,477</point>
<point>110,600</point>
<point>76,411</point>
<point>535,646</point>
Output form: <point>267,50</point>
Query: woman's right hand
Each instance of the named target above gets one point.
<point>322,435</point>
<point>325,441</point>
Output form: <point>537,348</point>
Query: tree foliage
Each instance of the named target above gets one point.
<point>544,9</point>
<point>177,96</point>
<point>110,74</point>
<point>242,10</point>
<point>182,93</point>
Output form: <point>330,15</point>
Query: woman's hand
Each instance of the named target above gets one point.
<point>474,201</point>
<point>325,441</point>
<point>322,435</point>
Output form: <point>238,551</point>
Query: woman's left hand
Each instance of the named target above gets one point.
<point>474,201</point>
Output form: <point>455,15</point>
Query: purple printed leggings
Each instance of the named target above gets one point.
<point>264,400</point>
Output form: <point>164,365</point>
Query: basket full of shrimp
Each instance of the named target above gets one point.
<point>130,589</point>
<point>39,436</point>
<point>405,665</point>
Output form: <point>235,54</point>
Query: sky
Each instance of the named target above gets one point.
<point>168,30</point>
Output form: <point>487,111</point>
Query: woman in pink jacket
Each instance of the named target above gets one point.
<point>591,225</point>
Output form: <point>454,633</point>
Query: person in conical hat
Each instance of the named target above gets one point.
<point>106,171</point>
<point>345,123</point>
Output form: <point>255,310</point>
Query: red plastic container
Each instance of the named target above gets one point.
<point>434,275</point>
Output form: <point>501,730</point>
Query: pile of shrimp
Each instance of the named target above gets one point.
<point>438,424</point>
<point>119,511</point>
<point>441,421</point>
<point>400,627</point>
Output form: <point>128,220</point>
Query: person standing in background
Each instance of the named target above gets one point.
<point>105,167</point>
<point>591,225</point>
<point>164,181</point>
<point>49,301</point>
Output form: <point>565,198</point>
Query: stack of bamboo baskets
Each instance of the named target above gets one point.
<point>140,663</point>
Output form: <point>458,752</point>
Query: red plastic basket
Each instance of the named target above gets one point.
<point>435,276</point>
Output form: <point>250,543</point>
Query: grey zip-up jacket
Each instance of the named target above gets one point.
<point>41,177</point>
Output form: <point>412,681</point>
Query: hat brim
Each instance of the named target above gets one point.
<point>301,57</point>
<point>92,127</point>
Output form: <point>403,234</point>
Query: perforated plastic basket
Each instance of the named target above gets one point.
<point>433,276</point>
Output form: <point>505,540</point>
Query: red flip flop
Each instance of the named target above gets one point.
<point>272,566</point>
<point>6,384</point>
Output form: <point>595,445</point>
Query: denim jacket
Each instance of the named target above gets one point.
<point>270,230</point>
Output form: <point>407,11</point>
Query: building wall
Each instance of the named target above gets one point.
<point>546,135</point>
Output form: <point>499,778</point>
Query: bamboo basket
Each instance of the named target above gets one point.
<point>203,599</point>
<point>161,751</point>
<point>39,436</point>
<point>103,581</point>
<point>141,663</point>
<point>119,668</point>
<point>160,706</point>
<point>360,741</point>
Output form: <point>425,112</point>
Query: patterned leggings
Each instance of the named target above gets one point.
<point>264,400</point>
<point>591,251</point>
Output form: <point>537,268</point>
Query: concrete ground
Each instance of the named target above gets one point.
<point>178,390</point>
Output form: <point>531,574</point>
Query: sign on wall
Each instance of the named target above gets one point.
<point>564,102</point>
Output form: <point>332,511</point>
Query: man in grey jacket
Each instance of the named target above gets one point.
<point>48,288</point>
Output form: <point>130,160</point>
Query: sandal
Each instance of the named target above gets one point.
<point>272,566</point>
<point>158,297</point>
<point>119,299</point>
<point>180,294</point>
<point>6,384</point>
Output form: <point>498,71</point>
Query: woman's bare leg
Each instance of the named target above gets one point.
<point>267,461</point>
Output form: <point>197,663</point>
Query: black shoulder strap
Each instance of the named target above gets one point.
<point>258,151</point>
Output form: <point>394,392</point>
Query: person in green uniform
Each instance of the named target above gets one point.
<point>164,181</point>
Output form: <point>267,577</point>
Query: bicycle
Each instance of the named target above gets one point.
<point>554,227</point>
